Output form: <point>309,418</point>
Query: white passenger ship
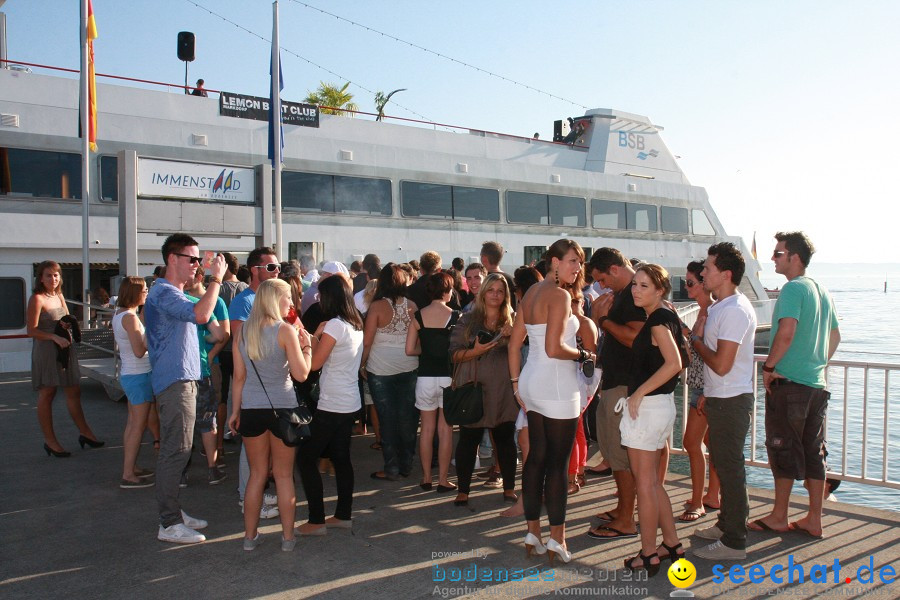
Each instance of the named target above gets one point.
<point>169,162</point>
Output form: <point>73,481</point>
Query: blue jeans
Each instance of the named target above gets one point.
<point>395,400</point>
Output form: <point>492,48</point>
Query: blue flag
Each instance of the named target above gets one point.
<point>272,115</point>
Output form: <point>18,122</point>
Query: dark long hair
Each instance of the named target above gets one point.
<point>391,283</point>
<point>336,299</point>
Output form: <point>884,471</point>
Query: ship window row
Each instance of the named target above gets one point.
<point>46,174</point>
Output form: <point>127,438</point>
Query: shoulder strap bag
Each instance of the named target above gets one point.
<point>463,404</point>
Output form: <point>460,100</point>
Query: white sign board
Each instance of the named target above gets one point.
<point>194,181</point>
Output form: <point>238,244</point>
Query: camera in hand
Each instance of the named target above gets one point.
<point>486,337</point>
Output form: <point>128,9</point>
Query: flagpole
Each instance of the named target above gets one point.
<point>85,168</point>
<point>276,133</point>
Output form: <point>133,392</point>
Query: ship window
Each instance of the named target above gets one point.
<point>12,303</point>
<point>567,210</point>
<point>436,201</point>
<point>543,209</point>
<point>362,196</point>
<point>641,217</point>
<point>702,226</point>
<point>674,219</point>
<point>40,174</point>
<point>475,204</point>
<point>428,200</point>
<point>607,214</point>
<point>109,178</point>
<point>522,207</point>
<point>307,192</point>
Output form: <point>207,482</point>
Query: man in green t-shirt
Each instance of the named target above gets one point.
<point>805,336</point>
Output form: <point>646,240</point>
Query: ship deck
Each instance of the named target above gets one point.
<point>68,529</point>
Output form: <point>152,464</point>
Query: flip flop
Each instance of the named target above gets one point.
<point>796,527</point>
<point>375,446</point>
<point>760,525</point>
<point>605,517</point>
<point>710,507</point>
<point>618,534</point>
<point>381,476</point>
<point>689,516</point>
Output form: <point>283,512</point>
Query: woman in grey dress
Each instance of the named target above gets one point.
<point>45,308</point>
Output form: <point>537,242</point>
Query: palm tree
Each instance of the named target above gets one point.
<point>337,99</point>
<point>381,100</point>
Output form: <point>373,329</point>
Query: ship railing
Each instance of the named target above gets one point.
<point>858,422</point>
<point>181,88</point>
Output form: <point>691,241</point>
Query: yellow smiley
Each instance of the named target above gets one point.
<point>682,573</point>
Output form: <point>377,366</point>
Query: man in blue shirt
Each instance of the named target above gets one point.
<point>171,321</point>
<point>263,265</point>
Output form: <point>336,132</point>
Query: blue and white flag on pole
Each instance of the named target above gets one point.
<point>275,105</point>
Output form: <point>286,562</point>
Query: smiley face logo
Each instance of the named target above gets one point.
<point>682,573</point>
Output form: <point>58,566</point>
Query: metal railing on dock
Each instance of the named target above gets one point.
<point>857,426</point>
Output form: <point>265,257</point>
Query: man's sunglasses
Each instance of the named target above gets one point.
<point>779,253</point>
<point>271,267</point>
<point>691,284</point>
<point>195,260</point>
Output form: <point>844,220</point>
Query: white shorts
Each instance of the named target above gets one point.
<point>430,392</point>
<point>656,418</point>
<point>521,420</point>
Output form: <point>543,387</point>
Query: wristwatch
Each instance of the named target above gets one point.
<point>768,369</point>
<point>601,319</point>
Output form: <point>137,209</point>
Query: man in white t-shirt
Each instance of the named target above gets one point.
<point>724,339</point>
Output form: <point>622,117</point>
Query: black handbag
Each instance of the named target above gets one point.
<point>463,404</point>
<point>291,424</point>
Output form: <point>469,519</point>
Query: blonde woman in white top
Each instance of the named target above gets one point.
<point>134,376</point>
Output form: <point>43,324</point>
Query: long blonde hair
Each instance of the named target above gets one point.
<point>266,311</point>
<point>476,322</point>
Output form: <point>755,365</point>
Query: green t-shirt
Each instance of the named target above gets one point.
<point>220,313</point>
<point>810,304</point>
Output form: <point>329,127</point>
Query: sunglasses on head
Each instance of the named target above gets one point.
<point>271,267</point>
<point>195,260</point>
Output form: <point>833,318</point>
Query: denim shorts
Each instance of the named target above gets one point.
<point>137,388</point>
<point>695,396</point>
<point>206,406</point>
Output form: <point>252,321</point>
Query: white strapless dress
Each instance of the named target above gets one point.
<point>549,386</point>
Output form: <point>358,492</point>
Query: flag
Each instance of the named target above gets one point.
<point>92,83</point>
<point>753,247</point>
<point>275,58</point>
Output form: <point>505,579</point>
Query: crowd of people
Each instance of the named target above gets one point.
<point>374,346</point>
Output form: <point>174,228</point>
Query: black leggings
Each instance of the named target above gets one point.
<point>545,473</point>
<point>467,450</point>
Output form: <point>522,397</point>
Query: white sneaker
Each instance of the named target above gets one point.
<point>179,534</point>
<point>269,512</point>
<point>192,522</point>
<point>719,551</point>
<point>270,499</point>
<point>709,533</point>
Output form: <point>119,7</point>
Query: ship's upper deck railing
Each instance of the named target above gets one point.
<point>187,89</point>
<point>857,425</point>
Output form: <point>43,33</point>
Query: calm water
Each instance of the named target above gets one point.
<point>870,330</point>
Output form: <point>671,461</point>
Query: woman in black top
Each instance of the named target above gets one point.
<point>656,365</point>
<point>428,338</point>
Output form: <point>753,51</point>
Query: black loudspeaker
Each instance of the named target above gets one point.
<point>185,46</point>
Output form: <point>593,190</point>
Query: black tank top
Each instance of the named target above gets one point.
<point>435,341</point>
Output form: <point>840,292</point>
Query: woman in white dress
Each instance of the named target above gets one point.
<point>548,390</point>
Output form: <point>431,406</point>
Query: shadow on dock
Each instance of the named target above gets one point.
<point>67,530</point>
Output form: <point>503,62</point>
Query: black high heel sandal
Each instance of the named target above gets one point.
<point>92,443</point>
<point>673,552</point>
<point>651,568</point>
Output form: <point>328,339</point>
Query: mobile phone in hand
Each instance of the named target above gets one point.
<point>208,258</point>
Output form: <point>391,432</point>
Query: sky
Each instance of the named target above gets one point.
<point>785,111</point>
